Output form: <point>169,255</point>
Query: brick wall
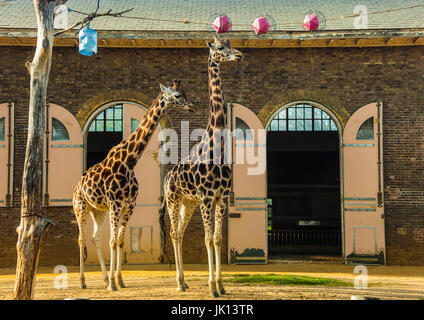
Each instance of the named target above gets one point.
<point>350,77</point>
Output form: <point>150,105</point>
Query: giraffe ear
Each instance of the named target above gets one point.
<point>162,87</point>
<point>209,44</point>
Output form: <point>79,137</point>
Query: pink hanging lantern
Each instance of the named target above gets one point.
<point>222,24</point>
<point>311,22</point>
<point>261,26</point>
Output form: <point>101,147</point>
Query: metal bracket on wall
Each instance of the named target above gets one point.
<point>8,200</point>
<point>46,199</point>
<point>232,198</point>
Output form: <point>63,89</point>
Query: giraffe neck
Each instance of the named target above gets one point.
<point>218,113</point>
<point>137,141</point>
<point>212,145</point>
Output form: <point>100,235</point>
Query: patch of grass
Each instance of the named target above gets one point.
<point>288,280</point>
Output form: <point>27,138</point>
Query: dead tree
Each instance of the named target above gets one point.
<point>34,227</point>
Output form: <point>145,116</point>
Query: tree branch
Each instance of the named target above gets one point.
<point>92,16</point>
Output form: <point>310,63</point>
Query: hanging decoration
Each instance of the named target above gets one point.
<point>222,24</point>
<point>261,26</point>
<point>87,41</point>
<point>311,22</point>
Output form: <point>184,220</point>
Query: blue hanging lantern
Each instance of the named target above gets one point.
<point>87,41</point>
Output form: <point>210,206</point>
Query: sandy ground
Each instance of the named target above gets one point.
<point>158,282</point>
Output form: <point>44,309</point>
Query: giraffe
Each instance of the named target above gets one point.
<point>195,180</point>
<point>111,186</point>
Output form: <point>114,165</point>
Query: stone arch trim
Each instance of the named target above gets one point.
<point>90,106</point>
<point>303,95</point>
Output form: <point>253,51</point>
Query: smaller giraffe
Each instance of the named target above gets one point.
<point>111,186</point>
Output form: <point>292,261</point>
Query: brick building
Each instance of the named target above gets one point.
<point>342,108</point>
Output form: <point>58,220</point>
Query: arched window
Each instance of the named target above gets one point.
<point>243,131</point>
<point>110,120</point>
<point>59,131</point>
<point>302,117</point>
<point>134,124</point>
<point>366,130</point>
<point>2,128</point>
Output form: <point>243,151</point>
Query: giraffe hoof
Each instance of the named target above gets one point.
<point>185,286</point>
<point>83,286</point>
<point>122,285</point>
<point>112,287</point>
<point>222,291</point>
<point>214,294</point>
<point>181,289</point>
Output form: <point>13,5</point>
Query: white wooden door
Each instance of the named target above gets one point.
<point>363,186</point>
<point>247,218</point>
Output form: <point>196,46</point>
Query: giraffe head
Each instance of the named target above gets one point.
<point>221,50</point>
<point>175,97</point>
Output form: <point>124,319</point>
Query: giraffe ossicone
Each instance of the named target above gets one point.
<point>193,182</point>
<point>111,186</point>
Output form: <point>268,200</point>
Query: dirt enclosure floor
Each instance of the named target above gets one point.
<point>158,282</point>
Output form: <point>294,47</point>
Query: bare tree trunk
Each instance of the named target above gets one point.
<point>34,227</point>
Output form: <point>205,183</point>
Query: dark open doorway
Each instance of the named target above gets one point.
<point>303,169</point>
<point>105,132</point>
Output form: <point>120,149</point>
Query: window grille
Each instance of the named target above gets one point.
<point>2,128</point>
<point>366,130</point>
<point>134,124</point>
<point>243,132</point>
<point>59,131</point>
<point>110,120</point>
<point>302,117</point>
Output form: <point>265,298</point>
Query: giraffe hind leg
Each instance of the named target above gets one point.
<point>219,216</point>
<point>121,236</point>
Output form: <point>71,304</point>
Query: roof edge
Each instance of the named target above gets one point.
<point>174,39</point>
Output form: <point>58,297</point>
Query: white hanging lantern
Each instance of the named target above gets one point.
<point>61,17</point>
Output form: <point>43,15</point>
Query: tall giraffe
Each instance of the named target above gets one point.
<point>111,185</point>
<point>196,180</point>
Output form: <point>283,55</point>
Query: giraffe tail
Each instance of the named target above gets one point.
<point>163,234</point>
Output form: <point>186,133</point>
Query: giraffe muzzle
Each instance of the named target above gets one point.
<point>238,57</point>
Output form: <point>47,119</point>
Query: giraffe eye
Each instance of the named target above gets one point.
<point>220,48</point>
<point>177,96</point>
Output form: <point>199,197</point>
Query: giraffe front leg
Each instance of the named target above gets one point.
<point>81,243</point>
<point>187,209</point>
<point>219,215</point>
<point>113,243</point>
<point>173,207</point>
<point>80,211</point>
<point>206,209</point>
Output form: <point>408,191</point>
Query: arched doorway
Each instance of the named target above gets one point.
<point>303,181</point>
<point>105,131</point>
